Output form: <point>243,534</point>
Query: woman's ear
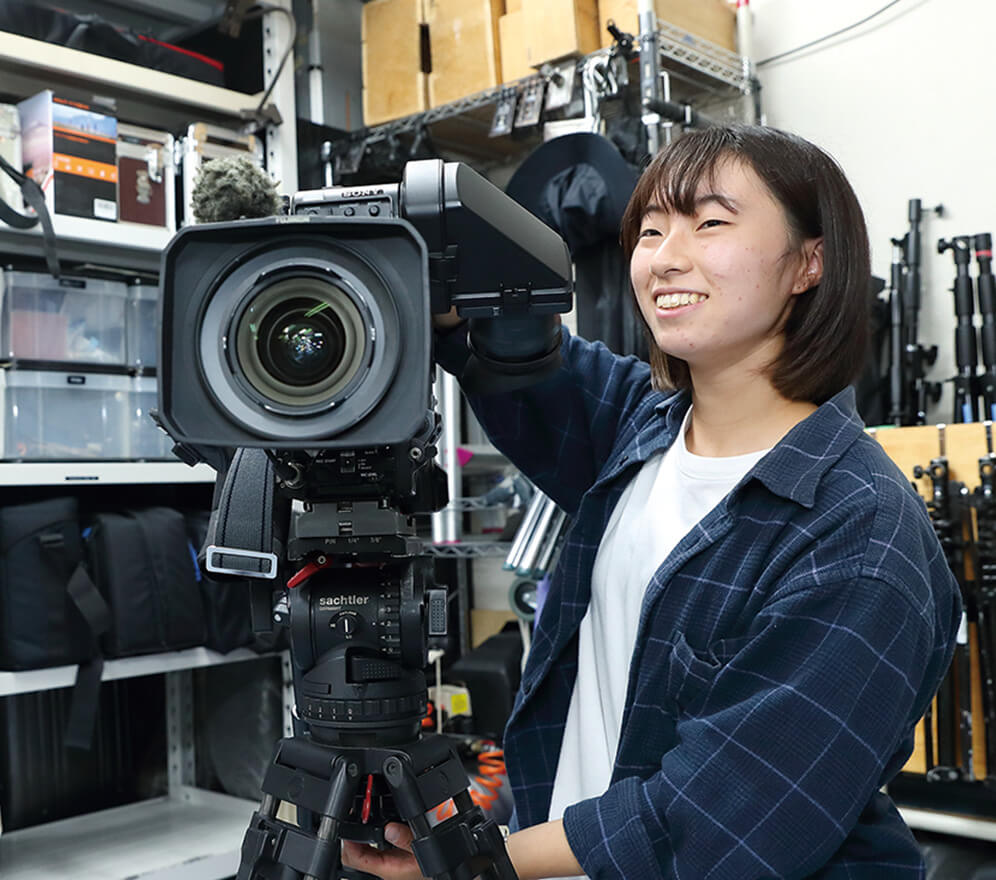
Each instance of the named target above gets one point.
<point>811,269</point>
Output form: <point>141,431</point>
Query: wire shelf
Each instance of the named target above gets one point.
<point>469,549</point>
<point>696,54</point>
<point>694,59</point>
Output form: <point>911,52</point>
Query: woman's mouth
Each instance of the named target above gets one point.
<point>666,301</point>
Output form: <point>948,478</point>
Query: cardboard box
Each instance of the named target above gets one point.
<point>558,29</point>
<point>485,623</point>
<point>514,51</point>
<point>466,57</point>
<point>69,149</point>
<point>713,20</point>
<point>394,84</point>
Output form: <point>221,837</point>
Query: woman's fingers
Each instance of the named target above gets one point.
<point>398,834</point>
<point>392,864</point>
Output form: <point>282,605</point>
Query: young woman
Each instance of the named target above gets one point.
<point>751,610</point>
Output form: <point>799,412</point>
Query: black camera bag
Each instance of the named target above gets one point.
<point>50,612</point>
<point>141,563</point>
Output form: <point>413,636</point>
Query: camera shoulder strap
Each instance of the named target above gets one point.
<point>242,540</point>
<point>241,533</point>
<point>34,197</point>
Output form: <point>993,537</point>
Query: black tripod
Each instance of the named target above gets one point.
<point>364,762</point>
<point>966,407</point>
<point>987,309</point>
<point>330,782</point>
<point>361,610</point>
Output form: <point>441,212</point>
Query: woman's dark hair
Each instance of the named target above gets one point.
<point>827,330</point>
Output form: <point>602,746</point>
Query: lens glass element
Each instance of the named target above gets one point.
<point>300,342</point>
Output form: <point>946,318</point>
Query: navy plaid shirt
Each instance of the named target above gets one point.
<point>786,647</point>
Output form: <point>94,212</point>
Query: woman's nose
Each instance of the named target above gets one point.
<point>670,256</point>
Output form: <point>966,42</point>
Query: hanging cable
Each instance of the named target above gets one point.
<point>826,37</point>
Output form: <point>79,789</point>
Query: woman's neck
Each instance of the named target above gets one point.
<point>734,415</point>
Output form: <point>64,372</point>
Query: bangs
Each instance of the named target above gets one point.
<point>678,182</point>
<point>672,181</point>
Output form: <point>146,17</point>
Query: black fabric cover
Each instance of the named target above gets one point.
<point>41,780</point>
<point>140,560</point>
<point>606,308</point>
<point>40,548</point>
<point>579,185</point>
<point>90,33</point>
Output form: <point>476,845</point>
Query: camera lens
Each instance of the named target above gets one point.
<point>300,342</point>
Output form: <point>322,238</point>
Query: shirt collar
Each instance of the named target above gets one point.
<point>794,467</point>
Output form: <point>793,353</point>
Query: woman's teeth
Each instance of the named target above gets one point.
<point>673,300</point>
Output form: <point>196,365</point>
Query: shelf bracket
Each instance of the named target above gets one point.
<point>179,731</point>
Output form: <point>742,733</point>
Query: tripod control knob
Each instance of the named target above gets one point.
<point>346,623</point>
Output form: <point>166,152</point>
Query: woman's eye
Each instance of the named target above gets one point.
<point>711,224</point>
<point>646,233</point>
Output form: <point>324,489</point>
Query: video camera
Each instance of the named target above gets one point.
<point>313,329</point>
<point>304,341</point>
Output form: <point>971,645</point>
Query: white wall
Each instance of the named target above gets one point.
<point>905,104</point>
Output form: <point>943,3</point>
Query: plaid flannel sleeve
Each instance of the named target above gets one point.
<point>560,431</point>
<point>783,735</point>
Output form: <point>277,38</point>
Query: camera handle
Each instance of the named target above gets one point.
<point>327,780</point>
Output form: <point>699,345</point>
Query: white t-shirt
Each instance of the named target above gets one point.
<point>669,495</point>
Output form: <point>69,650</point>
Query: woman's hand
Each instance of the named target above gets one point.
<point>446,320</point>
<point>392,864</point>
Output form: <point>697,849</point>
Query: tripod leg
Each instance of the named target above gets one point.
<point>273,848</point>
<point>462,847</point>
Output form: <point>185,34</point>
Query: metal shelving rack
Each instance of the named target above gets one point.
<point>710,73</point>
<point>87,473</point>
<point>144,97</point>
<point>189,834</point>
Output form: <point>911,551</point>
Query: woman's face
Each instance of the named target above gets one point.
<point>716,287</point>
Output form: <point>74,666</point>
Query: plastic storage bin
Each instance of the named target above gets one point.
<point>148,441</point>
<point>65,320</point>
<point>57,416</point>
<point>142,326</point>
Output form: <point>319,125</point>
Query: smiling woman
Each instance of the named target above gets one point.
<point>751,610</point>
<point>797,200</point>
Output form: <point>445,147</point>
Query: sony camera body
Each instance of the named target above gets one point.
<point>312,331</point>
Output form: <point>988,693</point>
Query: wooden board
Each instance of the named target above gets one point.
<point>964,445</point>
<point>713,20</point>
<point>558,29</point>
<point>485,623</point>
<point>514,55</point>
<point>393,82</point>
<point>466,57</point>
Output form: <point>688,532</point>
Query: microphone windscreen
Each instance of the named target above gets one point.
<point>233,188</point>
